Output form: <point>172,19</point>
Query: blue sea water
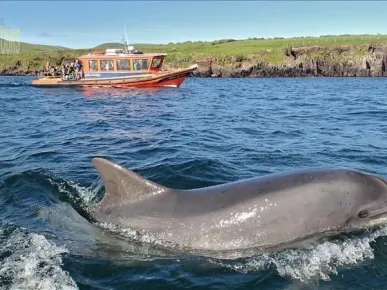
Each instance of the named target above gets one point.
<point>209,131</point>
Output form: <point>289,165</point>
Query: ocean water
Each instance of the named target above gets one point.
<point>209,131</point>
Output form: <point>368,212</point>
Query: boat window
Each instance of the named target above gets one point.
<point>141,64</point>
<point>156,63</point>
<point>107,65</point>
<point>93,65</point>
<point>123,64</point>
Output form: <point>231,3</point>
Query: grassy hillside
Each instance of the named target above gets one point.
<point>28,47</point>
<point>272,51</point>
<point>269,50</point>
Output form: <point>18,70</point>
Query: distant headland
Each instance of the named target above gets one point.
<point>328,56</point>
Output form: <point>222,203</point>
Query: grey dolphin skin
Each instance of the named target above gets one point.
<point>251,215</point>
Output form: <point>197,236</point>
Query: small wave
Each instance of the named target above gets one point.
<point>44,181</point>
<point>43,154</point>
<point>184,175</point>
<point>29,261</point>
<point>351,150</point>
<point>14,84</point>
<point>319,262</point>
<point>367,112</point>
<point>283,133</point>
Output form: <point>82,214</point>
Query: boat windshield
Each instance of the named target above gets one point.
<point>156,63</point>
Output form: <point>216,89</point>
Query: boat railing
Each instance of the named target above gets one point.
<point>73,76</point>
<point>58,74</point>
<point>43,74</point>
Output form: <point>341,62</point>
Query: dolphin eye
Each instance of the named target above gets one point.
<point>363,214</point>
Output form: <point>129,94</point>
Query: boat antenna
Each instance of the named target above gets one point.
<point>126,38</point>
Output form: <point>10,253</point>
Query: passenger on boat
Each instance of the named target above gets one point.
<point>51,71</point>
<point>78,69</point>
<point>71,72</point>
<point>76,64</point>
<point>144,64</point>
<point>65,71</point>
<point>137,65</point>
<point>93,66</point>
<point>46,69</point>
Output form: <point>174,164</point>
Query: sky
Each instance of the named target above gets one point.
<point>85,24</point>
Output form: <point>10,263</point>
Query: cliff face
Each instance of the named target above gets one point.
<point>342,61</point>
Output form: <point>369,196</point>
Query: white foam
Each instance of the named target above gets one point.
<point>31,262</point>
<point>319,262</point>
<point>84,195</point>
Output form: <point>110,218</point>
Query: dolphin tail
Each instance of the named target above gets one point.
<point>123,186</point>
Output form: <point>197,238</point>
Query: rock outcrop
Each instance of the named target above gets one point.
<point>341,61</point>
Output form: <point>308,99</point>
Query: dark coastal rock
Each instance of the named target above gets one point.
<point>343,61</point>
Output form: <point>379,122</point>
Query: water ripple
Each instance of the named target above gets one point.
<point>207,132</point>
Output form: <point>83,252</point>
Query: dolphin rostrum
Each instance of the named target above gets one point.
<point>245,216</point>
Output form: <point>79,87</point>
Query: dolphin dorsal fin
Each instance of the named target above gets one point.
<point>123,186</point>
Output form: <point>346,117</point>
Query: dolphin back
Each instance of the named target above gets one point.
<point>123,186</point>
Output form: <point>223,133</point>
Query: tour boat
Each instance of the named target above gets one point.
<point>119,68</point>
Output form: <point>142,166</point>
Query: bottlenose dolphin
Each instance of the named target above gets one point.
<point>242,217</point>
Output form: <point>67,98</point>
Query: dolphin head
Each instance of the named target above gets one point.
<point>370,208</point>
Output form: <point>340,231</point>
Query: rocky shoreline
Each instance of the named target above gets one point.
<point>309,61</point>
<point>314,61</point>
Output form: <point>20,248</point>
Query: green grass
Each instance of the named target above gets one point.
<point>269,50</point>
<point>33,56</point>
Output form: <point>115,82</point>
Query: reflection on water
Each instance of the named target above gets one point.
<point>101,93</point>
